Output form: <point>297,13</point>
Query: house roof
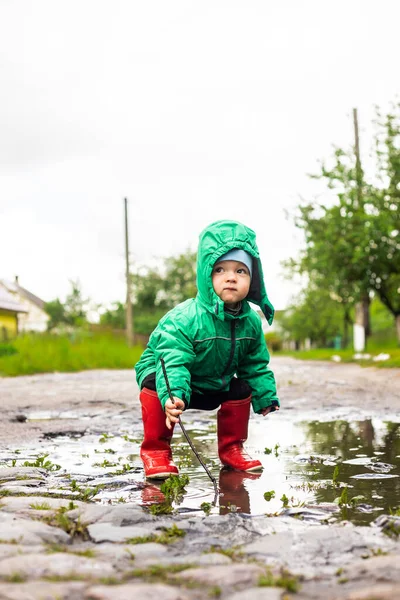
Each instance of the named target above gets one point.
<point>7,302</point>
<point>16,288</point>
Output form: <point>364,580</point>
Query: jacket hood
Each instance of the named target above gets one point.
<point>215,241</point>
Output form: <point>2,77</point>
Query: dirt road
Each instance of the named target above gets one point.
<point>70,399</point>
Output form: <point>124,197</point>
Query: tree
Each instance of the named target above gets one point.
<point>76,306</point>
<point>315,316</point>
<point>155,291</point>
<point>72,313</point>
<point>56,311</point>
<point>350,244</point>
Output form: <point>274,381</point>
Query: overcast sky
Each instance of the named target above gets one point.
<point>194,110</point>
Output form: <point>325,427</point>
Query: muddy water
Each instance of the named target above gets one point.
<point>317,470</point>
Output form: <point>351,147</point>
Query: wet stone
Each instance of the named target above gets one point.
<point>41,590</point>
<point>225,576</point>
<point>373,592</point>
<point>24,504</point>
<point>21,473</point>
<point>8,550</point>
<point>268,593</point>
<point>377,568</point>
<point>25,531</point>
<point>319,549</point>
<point>54,565</point>
<point>143,591</point>
<point>106,532</point>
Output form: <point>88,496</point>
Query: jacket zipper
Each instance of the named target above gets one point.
<point>232,352</point>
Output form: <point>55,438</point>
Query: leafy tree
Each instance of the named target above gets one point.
<point>155,291</point>
<point>114,317</point>
<point>56,311</point>
<point>315,316</point>
<point>76,306</point>
<point>350,245</point>
<point>72,312</point>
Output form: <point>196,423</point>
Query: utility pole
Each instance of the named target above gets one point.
<point>129,317</point>
<point>361,325</point>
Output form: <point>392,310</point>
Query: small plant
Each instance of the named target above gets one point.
<point>276,448</point>
<point>285,500</point>
<point>269,495</point>
<point>206,507</point>
<point>105,464</point>
<point>215,592</point>
<point>16,578</point>
<point>40,506</point>
<point>343,498</point>
<point>355,500</point>
<point>234,553</point>
<point>105,437</point>
<point>173,488</point>
<point>42,463</point>
<point>169,536</point>
<point>284,580</point>
<point>88,493</point>
<point>128,439</point>
<point>163,508</point>
<point>74,486</point>
<point>335,477</point>
<point>267,450</point>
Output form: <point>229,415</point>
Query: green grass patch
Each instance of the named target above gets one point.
<point>347,356</point>
<point>47,353</point>
<point>168,536</point>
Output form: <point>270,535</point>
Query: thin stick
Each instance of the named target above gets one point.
<point>189,441</point>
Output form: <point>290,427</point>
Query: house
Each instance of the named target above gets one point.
<point>10,311</point>
<point>33,317</point>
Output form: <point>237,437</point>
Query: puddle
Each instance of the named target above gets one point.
<point>307,467</point>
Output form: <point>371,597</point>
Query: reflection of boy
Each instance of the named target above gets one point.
<point>214,352</point>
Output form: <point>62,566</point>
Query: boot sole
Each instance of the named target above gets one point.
<point>160,475</point>
<point>256,468</point>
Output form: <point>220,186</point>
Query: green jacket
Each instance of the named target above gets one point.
<point>203,346</point>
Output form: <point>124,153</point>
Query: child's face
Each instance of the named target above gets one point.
<point>231,281</point>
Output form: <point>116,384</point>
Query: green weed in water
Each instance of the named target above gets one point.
<point>206,507</point>
<point>269,495</point>
<point>335,477</point>
<point>173,488</point>
<point>42,463</point>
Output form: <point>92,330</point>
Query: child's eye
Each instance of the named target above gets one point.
<point>242,271</point>
<point>218,270</point>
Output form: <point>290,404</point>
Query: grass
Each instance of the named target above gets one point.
<point>47,353</point>
<point>347,356</point>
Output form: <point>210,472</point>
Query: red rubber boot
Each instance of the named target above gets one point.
<point>155,450</point>
<point>233,420</point>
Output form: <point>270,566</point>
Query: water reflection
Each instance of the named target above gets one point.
<point>307,465</point>
<point>376,445</point>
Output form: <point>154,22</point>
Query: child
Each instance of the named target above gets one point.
<point>214,352</point>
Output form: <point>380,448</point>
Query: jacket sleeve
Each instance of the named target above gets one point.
<point>254,369</point>
<point>171,342</point>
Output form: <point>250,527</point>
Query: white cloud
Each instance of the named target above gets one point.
<point>195,111</point>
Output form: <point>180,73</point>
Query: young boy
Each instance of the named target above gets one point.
<point>214,353</point>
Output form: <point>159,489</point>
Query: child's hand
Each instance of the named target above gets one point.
<point>173,411</point>
<point>268,409</point>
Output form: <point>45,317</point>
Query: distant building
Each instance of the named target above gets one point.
<point>10,311</point>
<point>33,316</point>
